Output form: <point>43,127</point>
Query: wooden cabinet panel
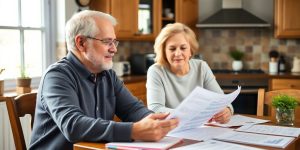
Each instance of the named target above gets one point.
<point>187,12</point>
<point>127,13</point>
<point>127,24</point>
<point>277,84</point>
<point>138,89</point>
<point>287,20</point>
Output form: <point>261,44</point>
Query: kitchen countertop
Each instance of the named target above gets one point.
<point>258,75</point>
<point>139,78</point>
<point>133,78</point>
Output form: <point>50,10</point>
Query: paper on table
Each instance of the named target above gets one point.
<point>239,120</point>
<point>256,139</point>
<point>268,129</point>
<point>215,145</point>
<point>199,106</point>
<point>201,133</point>
<point>164,143</point>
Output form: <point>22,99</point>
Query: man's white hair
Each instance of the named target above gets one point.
<point>83,23</point>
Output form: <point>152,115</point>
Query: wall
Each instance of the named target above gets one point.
<point>65,10</point>
<point>262,8</point>
<point>208,7</point>
<point>256,43</point>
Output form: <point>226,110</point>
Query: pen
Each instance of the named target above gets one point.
<point>122,148</point>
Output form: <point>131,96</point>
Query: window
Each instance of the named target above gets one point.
<point>24,37</point>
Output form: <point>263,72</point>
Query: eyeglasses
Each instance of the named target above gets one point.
<point>108,42</point>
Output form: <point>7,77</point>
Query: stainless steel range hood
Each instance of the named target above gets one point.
<point>233,15</point>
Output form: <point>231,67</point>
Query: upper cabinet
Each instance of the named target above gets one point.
<point>135,18</point>
<point>287,20</point>
<point>143,19</point>
<point>184,11</point>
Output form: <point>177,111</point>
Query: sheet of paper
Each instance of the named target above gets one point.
<point>199,106</point>
<point>165,143</point>
<point>239,120</point>
<point>268,129</point>
<point>203,133</point>
<point>256,139</point>
<point>215,145</point>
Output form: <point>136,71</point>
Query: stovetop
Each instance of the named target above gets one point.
<point>249,71</point>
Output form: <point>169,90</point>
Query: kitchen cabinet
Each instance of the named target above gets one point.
<point>185,11</point>
<point>277,84</point>
<point>136,18</point>
<point>138,89</point>
<point>143,19</point>
<point>287,21</point>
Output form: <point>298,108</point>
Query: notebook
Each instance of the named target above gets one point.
<point>163,144</point>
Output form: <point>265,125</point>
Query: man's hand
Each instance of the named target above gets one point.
<point>153,127</point>
<point>222,116</point>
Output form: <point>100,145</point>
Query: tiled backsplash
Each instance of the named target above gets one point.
<point>256,43</point>
<point>216,43</point>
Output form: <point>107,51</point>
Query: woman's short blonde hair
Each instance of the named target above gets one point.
<point>168,31</point>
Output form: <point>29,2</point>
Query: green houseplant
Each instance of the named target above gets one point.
<point>23,82</point>
<point>237,56</point>
<point>285,109</point>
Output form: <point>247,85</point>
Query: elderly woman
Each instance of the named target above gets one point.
<point>175,74</point>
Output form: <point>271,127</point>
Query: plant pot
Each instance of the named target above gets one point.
<point>23,82</point>
<point>285,117</point>
<point>237,65</point>
<point>1,87</point>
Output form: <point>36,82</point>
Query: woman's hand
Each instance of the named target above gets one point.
<point>222,116</point>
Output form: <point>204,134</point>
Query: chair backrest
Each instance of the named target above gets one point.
<point>19,107</point>
<point>264,99</point>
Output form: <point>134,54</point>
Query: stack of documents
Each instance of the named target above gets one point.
<point>273,130</point>
<point>163,144</point>
<point>203,133</point>
<point>239,120</point>
<point>215,145</point>
<point>255,139</point>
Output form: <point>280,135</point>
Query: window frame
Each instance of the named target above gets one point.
<point>48,41</point>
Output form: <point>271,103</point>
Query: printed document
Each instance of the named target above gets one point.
<point>215,145</point>
<point>203,133</point>
<point>268,129</point>
<point>200,106</point>
<point>239,120</point>
<point>163,144</point>
<point>256,139</point>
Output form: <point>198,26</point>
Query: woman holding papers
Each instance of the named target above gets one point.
<point>175,74</point>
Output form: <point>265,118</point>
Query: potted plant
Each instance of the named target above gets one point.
<point>1,82</point>
<point>285,109</point>
<point>237,56</point>
<point>23,82</point>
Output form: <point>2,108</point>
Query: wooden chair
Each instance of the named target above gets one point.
<point>19,107</point>
<point>264,100</point>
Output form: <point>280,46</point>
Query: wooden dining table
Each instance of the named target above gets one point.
<point>294,145</point>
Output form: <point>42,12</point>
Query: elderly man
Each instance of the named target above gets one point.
<point>79,95</point>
